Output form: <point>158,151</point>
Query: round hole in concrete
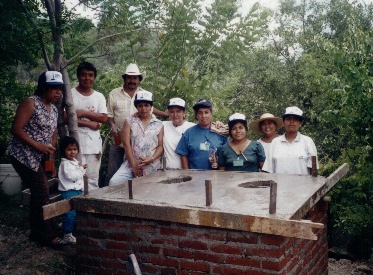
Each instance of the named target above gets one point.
<point>176,180</point>
<point>257,184</point>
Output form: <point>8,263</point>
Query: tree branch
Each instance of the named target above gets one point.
<point>30,18</point>
<point>98,40</point>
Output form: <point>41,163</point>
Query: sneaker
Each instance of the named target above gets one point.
<point>69,239</point>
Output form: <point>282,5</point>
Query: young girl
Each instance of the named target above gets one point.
<point>70,174</point>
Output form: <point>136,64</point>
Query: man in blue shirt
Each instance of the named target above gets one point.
<point>199,146</point>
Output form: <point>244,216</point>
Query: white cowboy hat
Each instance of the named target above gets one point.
<point>132,69</point>
<point>255,125</point>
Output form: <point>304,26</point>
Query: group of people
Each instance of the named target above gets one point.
<point>140,139</point>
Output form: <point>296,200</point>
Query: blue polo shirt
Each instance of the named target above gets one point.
<point>190,146</point>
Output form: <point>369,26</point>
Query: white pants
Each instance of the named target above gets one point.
<point>122,175</point>
<point>93,169</point>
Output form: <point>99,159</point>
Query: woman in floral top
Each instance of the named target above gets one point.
<point>142,138</point>
<point>35,137</point>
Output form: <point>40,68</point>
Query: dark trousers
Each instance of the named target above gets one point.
<point>116,155</point>
<point>40,230</point>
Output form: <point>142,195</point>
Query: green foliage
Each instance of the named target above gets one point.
<point>12,93</point>
<point>312,54</point>
<point>352,205</point>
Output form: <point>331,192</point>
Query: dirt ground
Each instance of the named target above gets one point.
<point>19,256</point>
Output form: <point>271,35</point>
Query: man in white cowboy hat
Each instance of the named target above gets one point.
<point>121,106</point>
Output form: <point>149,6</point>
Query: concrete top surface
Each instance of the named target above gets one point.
<point>295,193</point>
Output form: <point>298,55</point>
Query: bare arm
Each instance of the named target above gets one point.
<point>93,116</point>
<point>159,112</point>
<point>158,152</point>
<point>126,139</point>
<point>184,162</point>
<point>113,128</point>
<point>23,115</point>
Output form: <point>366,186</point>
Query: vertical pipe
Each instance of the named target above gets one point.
<point>85,190</point>
<point>208,192</point>
<point>130,194</point>
<point>314,167</point>
<point>164,163</point>
<point>272,197</point>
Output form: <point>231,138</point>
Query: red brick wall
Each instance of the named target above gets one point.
<point>105,241</point>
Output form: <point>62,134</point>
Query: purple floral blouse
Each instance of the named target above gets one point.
<point>144,142</point>
<point>40,128</point>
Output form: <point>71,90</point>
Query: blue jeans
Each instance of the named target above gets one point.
<point>69,218</point>
<point>116,158</point>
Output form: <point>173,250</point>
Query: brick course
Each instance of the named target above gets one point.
<point>105,242</point>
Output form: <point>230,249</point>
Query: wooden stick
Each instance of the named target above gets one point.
<point>130,194</point>
<point>57,208</point>
<point>208,189</point>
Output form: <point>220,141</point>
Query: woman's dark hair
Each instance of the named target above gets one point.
<point>85,66</point>
<point>41,85</point>
<point>234,122</point>
<point>200,107</point>
<point>65,142</point>
<point>136,102</point>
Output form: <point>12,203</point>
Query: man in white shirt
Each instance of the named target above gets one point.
<point>121,106</point>
<point>91,111</point>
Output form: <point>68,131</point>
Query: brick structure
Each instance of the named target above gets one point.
<point>164,247</point>
<point>204,222</point>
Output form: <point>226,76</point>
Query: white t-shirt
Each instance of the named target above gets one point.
<point>266,146</point>
<point>90,141</point>
<point>171,138</point>
<point>291,158</point>
<point>70,174</point>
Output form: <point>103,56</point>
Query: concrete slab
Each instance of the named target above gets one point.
<point>293,192</point>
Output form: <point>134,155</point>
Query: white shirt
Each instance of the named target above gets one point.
<point>171,138</point>
<point>291,158</point>
<point>70,174</point>
<point>89,140</point>
<point>266,146</point>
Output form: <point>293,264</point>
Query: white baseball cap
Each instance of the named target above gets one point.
<point>293,111</point>
<point>143,96</point>
<point>176,102</point>
<point>237,117</point>
<point>53,78</point>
